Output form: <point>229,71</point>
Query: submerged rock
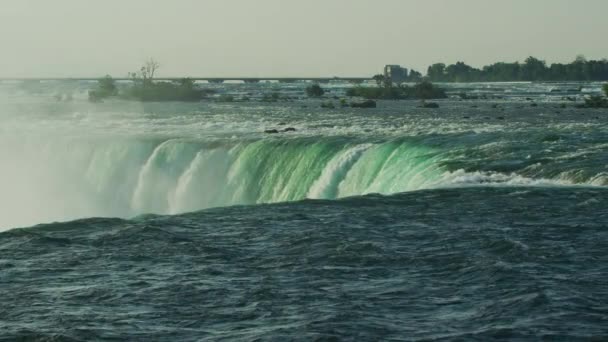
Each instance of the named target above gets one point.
<point>289,129</point>
<point>551,138</point>
<point>429,105</point>
<point>364,104</point>
<point>271,131</point>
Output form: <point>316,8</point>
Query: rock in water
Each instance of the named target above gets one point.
<point>364,104</point>
<point>430,105</point>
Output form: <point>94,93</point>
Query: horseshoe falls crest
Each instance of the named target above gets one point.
<point>128,178</point>
<point>478,220</point>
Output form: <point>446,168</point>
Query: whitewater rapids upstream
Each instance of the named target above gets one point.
<point>68,160</point>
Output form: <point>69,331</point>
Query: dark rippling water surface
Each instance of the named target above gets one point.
<point>460,264</point>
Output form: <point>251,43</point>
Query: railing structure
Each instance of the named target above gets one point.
<point>199,79</point>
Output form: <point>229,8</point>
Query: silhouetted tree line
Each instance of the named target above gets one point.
<point>533,69</point>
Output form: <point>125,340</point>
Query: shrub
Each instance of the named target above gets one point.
<point>106,87</point>
<point>424,91</point>
<point>595,102</point>
<point>314,90</point>
<point>427,90</point>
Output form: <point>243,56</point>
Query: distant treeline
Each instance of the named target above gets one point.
<point>533,69</point>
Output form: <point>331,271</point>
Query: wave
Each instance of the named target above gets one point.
<point>129,178</point>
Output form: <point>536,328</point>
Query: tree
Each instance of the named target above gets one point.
<point>426,90</point>
<point>414,76</point>
<point>501,72</point>
<point>186,83</point>
<point>314,90</point>
<point>149,69</point>
<point>460,72</point>
<point>606,89</point>
<point>106,87</point>
<point>380,79</point>
<point>534,69</point>
<point>145,75</point>
<point>580,59</point>
<point>436,72</point>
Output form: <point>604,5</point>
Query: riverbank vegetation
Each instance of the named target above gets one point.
<point>314,90</point>
<point>386,91</point>
<point>532,69</point>
<point>106,87</point>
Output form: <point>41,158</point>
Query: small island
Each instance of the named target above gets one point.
<point>386,90</point>
<point>144,88</point>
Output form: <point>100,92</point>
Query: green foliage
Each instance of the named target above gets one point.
<point>423,90</point>
<point>460,72</point>
<point>426,91</point>
<point>314,90</point>
<point>106,87</point>
<point>380,80</point>
<point>415,76</point>
<point>595,102</point>
<point>533,69</point>
<point>144,88</point>
<point>606,89</point>
<point>436,72</point>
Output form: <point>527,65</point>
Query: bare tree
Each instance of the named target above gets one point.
<point>146,73</point>
<point>149,68</point>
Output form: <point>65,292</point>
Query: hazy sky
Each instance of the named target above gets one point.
<point>289,37</point>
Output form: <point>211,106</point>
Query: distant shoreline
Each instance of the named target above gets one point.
<point>262,80</point>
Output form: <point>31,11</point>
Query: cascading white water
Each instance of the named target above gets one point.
<point>73,178</point>
<point>63,161</point>
<point>326,187</point>
<point>67,178</point>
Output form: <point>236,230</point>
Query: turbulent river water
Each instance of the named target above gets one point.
<point>483,219</point>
